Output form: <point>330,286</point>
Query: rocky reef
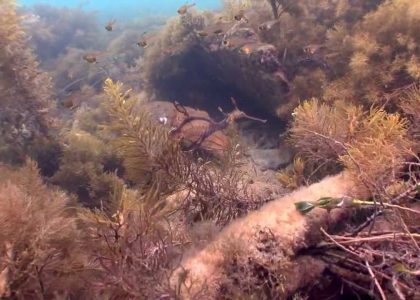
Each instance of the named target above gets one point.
<point>215,61</point>
<point>269,150</point>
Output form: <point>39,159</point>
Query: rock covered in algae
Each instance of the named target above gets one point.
<point>209,64</point>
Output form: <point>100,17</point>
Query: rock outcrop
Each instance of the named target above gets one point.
<point>210,62</point>
<point>274,235</point>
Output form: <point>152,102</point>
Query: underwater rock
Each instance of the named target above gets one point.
<point>266,155</point>
<point>265,158</point>
<point>225,59</point>
<point>272,159</point>
<point>290,231</point>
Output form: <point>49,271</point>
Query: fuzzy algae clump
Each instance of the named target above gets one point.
<point>41,253</point>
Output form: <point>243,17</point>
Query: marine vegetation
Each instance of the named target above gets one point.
<point>85,168</point>
<point>41,248</point>
<point>269,150</point>
<point>156,163</point>
<point>25,93</point>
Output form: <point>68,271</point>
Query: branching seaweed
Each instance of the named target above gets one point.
<point>40,246</point>
<point>134,249</point>
<point>156,162</point>
<point>151,158</point>
<point>83,168</point>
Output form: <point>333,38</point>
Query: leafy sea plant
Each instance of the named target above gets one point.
<point>156,163</point>
<point>233,7</point>
<point>410,104</point>
<point>58,28</point>
<point>380,148</point>
<point>278,7</point>
<point>177,35</point>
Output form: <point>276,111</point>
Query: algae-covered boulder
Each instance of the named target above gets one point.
<point>210,61</point>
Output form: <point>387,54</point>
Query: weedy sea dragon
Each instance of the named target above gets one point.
<point>206,129</point>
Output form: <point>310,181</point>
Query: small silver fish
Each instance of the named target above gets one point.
<point>110,25</point>
<point>184,9</point>
<point>267,25</point>
<point>90,58</point>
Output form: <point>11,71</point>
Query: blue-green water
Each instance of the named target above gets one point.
<point>127,9</point>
